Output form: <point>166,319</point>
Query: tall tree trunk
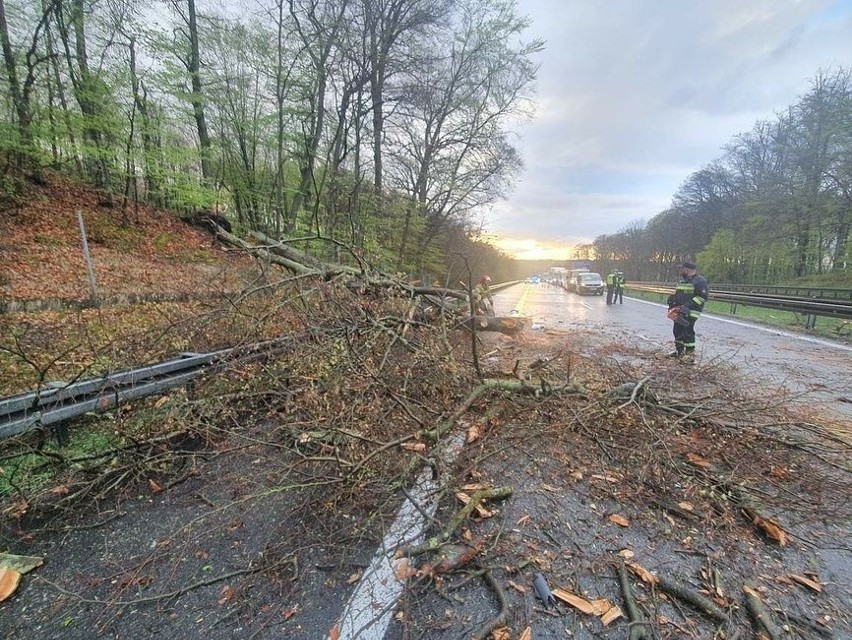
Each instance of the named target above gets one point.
<point>140,101</point>
<point>22,110</point>
<point>86,93</point>
<point>194,68</point>
<point>53,56</point>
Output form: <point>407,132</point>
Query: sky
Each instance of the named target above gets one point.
<point>633,96</point>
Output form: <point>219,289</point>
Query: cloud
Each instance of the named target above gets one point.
<point>635,95</point>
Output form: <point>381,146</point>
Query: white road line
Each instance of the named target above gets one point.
<point>368,612</point>
<point>777,332</point>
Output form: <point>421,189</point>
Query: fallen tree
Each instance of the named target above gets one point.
<point>433,300</point>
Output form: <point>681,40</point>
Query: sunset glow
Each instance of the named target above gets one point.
<point>529,249</point>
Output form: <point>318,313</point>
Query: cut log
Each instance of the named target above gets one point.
<point>503,324</point>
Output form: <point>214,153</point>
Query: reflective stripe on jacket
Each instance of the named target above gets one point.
<point>691,292</point>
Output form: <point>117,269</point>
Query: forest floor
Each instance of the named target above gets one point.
<point>248,504</point>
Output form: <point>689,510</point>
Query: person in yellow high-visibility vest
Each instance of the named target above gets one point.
<point>618,292</point>
<point>610,287</point>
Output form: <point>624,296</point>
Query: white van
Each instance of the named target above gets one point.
<point>589,283</point>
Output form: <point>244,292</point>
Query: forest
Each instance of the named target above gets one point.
<point>776,207</point>
<point>376,125</point>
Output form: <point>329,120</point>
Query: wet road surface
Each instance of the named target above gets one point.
<point>818,373</point>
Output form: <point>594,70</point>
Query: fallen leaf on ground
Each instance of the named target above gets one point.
<point>9,580</point>
<point>522,520</point>
<point>771,528</point>
<point>549,487</point>
<point>577,475</point>
<point>226,594</point>
<point>686,506</point>
<point>608,478</point>
<point>21,564</point>
<point>474,486</point>
<point>697,460</point>
<point>517,587</point>
<point>526,634</point>
<point>806,582</point>
<point>626,554</point>
<point>581,604</point>
<point>620,520</point>
<point>403,570</point>
<point>153,486</point>
<point>474,433</point>
<point>61,490</point>
<point>418,447</point>
<point>355,577</point>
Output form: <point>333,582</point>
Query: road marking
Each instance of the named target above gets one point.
<point>368,612</point>
<point>519,307</point>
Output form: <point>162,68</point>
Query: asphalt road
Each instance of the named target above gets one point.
<point>816,372</point>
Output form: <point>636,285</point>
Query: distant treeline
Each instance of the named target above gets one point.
<point>776,206</point>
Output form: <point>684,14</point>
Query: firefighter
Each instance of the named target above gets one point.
<point>483,299</point>
<point>685,307</point>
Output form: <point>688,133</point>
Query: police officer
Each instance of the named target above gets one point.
<point>685,307</point>
<point>610,287</point>
<point>618,294</point>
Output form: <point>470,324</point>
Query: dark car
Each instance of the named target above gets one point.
<point>589,284</point>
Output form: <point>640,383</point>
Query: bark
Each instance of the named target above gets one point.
<point>194,67</point>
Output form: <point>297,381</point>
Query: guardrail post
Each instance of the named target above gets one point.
<point>733,308</point>
<point>810,323</point>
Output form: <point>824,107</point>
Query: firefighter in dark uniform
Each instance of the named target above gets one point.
<point>685,307</point>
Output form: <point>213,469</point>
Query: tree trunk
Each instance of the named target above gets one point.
<point>22,110</point>
<point>197,100</point>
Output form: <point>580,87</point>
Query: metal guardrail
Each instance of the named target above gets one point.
<point>57,402</point>
<point>839,305</point>
<point>812,293</point>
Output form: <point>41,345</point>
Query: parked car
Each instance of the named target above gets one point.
<point>589,283</point>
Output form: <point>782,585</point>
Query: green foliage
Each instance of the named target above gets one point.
<point>34,469</point>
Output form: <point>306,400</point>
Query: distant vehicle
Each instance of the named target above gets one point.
<point>589,283</point>
<point>534,279</point>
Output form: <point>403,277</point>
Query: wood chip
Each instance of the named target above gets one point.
<point>9,580</point>
<point>581,604</point>
<point>641,572</point>
<point>697,460</point>
<point>806,582</point>
<point>614,613</point>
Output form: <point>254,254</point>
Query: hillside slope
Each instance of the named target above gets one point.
<point>140,250</point>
